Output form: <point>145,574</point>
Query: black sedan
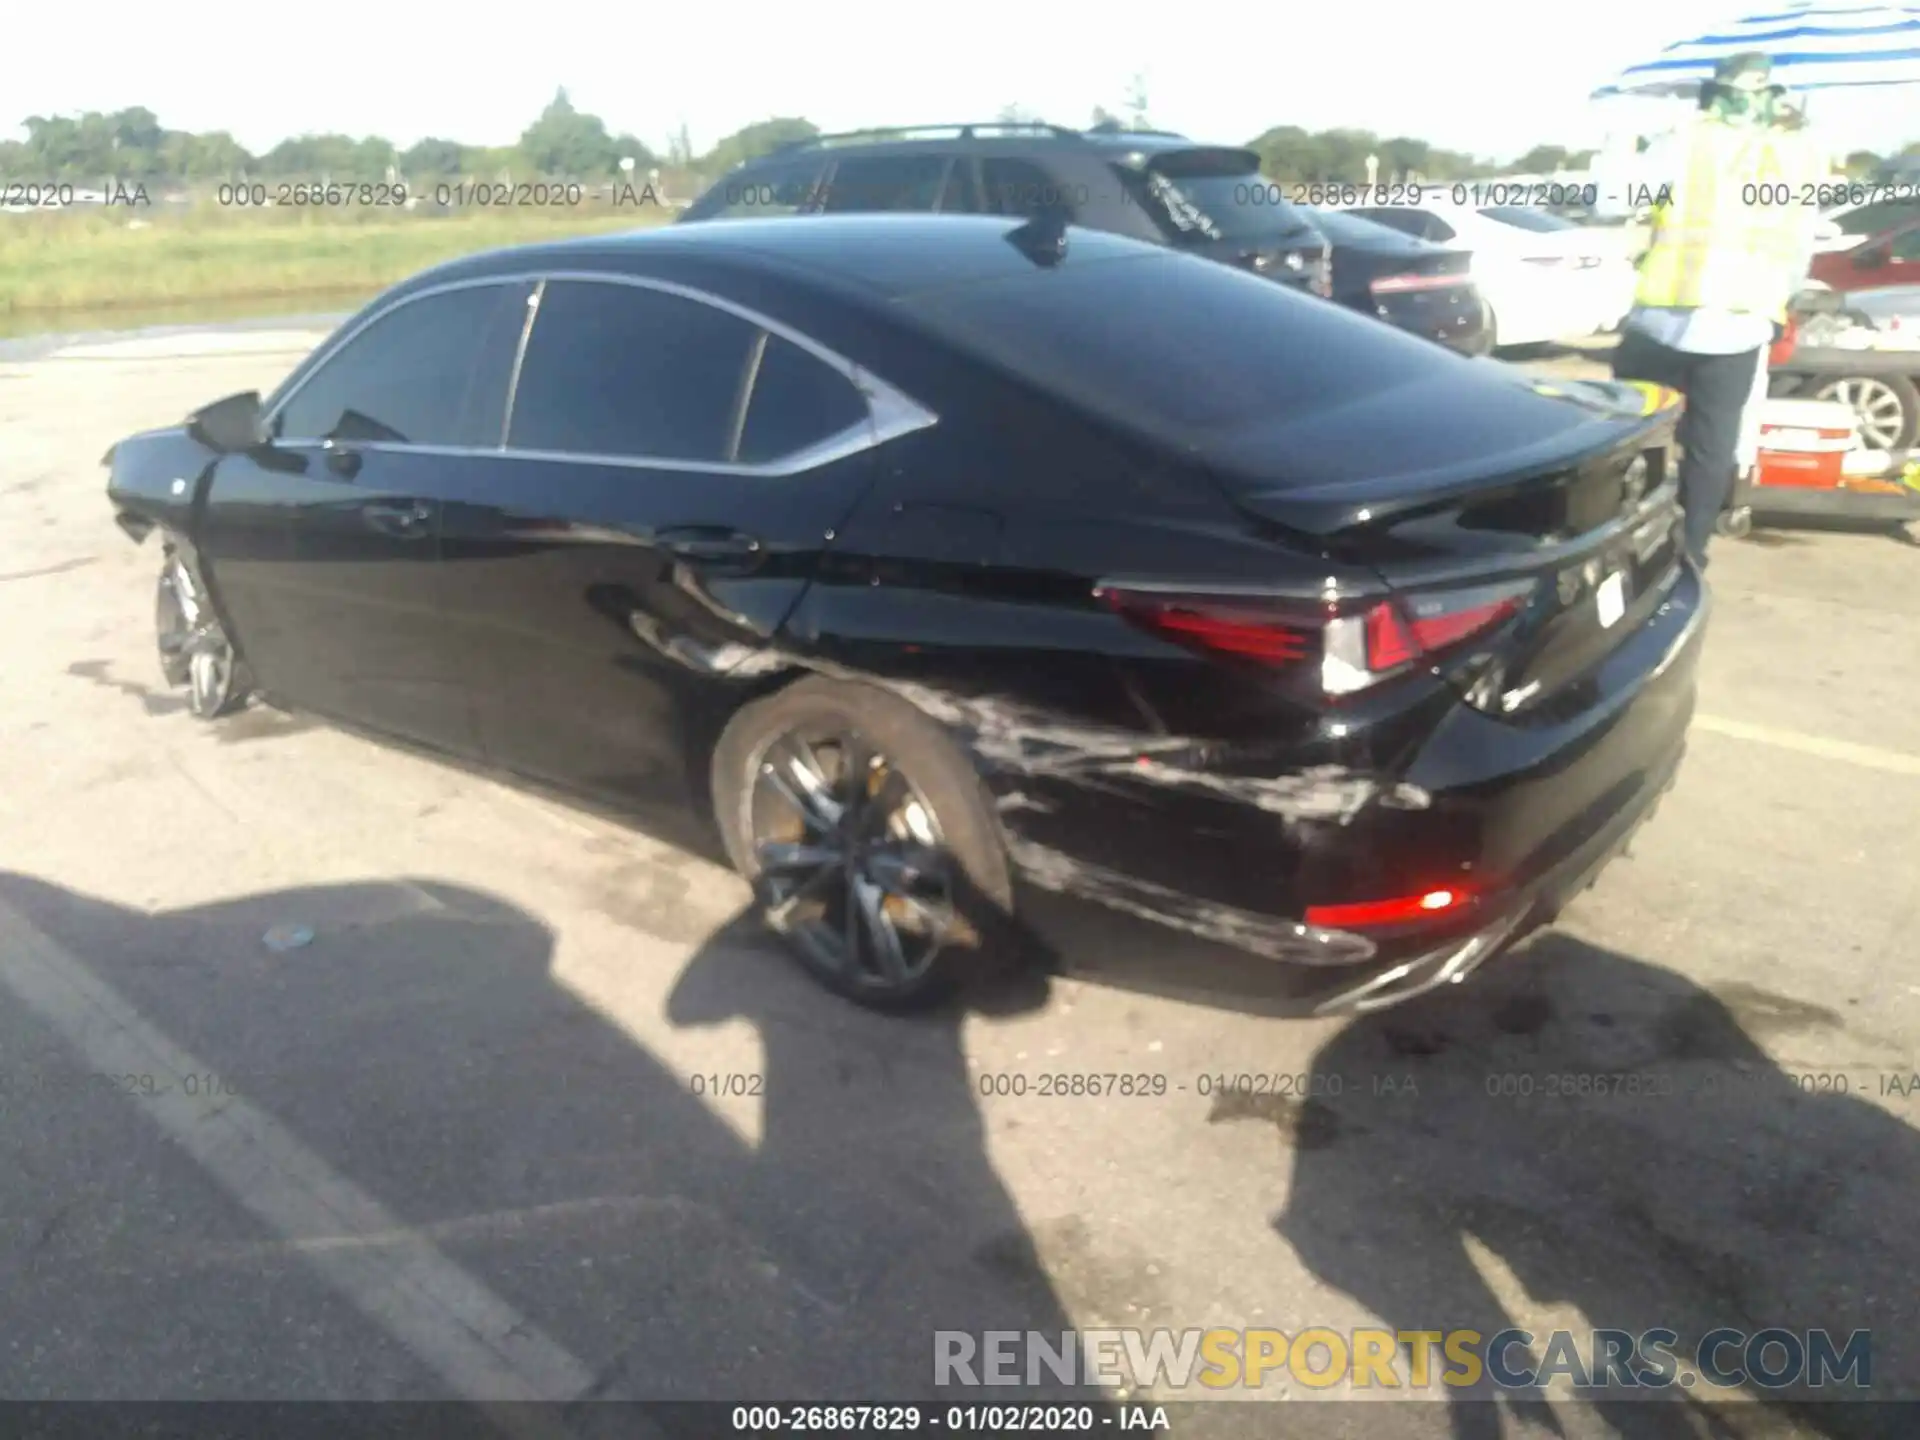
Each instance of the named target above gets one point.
<point>942,571</point>
<point>1412,283</point>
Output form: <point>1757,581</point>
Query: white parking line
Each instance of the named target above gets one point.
<point>1873,757</point>
<point>485,1350</point>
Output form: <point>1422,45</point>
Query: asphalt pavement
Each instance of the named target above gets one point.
<point>328,1071</point>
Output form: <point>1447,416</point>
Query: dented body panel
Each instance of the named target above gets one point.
<point>550,617</point>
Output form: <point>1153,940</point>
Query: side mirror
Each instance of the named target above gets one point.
<point>231,426</point>
<point>1873,257</point>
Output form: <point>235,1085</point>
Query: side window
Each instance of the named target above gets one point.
<point>781,188</point>
<point>1020,187</point>
<point>958,197</point>
<point>885,183</point>
<point>615,369</point>
<point>1906,244</point>
<point>1436,229</point>
<point>432,371</point>
<point>797,401</point>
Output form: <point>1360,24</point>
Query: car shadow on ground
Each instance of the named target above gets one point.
<point>1583,1131</point>
<point>425,1047</point>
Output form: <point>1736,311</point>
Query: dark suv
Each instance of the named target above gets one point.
<point>1147,184</point>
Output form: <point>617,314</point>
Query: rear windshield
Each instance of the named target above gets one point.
<point>1345,229</point>
<point>1524,218</point>
<point>1176,345</point>
<point>1212,195</point>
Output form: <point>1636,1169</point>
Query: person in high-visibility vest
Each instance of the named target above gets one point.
<point>1732,237</point>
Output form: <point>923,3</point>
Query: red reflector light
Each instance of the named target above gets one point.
<point>1401,284</point>
<point>1386,912</point>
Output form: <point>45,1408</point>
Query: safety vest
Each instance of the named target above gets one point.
<point>1730,235</point>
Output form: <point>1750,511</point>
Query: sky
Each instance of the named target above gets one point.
<point>1485,76</point>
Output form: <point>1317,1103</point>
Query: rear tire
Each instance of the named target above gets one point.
<point>869,840</point>
<point>1888,404</point>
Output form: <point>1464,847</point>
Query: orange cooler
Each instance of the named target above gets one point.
<point>1803,444</point>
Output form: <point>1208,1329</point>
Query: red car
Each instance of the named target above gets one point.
<point>1890,258</point>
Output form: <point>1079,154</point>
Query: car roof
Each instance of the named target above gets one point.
<point>881,257</point>
<point>999,140</point>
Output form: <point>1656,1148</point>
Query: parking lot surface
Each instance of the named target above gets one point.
<point>328,1070</point>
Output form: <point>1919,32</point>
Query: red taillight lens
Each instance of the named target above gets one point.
<point>1350,651</point>
<point>1217,624</point>
<point>1396,911</point>
<point>1401,284</point>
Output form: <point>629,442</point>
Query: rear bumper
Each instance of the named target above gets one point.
<point>1521,816</point>
<point>1452,962</point>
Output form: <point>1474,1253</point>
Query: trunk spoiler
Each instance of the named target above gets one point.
<point>1324,511</point>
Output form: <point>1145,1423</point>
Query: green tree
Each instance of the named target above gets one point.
<point>432,158</point>
<point>762,137</point>
<point>566,141</point>
<point>632,147</point>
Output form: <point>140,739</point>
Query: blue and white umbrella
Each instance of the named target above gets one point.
<point>1813,46</point>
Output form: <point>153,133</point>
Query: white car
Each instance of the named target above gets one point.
<point>1543,277</point>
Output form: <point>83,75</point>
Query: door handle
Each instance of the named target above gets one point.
<point>405,522</point>
<point>705,544</point>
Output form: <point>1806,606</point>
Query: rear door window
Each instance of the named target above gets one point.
<point>798,400</point>
<point>620,370</point>
<point>1022,188</point>
<point>885,183</point>
<point>958,198</point>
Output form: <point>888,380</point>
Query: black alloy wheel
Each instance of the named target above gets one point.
<point>850,859</point>
<point>194,647</point>
<point>870,841</point>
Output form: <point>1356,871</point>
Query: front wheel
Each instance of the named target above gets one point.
<point>1735,524</point>
<point>195,649</point>
<point>869,841</point>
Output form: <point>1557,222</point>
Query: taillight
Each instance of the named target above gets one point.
<point>1396,911</point>
<point>1400,284</point>
<point>1344,650</point>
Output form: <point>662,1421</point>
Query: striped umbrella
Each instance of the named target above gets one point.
<point>1814,46</point>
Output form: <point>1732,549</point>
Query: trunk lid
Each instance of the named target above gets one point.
<point>1557,495</point>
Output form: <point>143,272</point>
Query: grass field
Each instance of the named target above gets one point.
<point>120,257</point>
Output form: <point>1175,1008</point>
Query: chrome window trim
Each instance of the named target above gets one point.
<point>520,358</point>
<point>891,413</point>
<point>331,348</point>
